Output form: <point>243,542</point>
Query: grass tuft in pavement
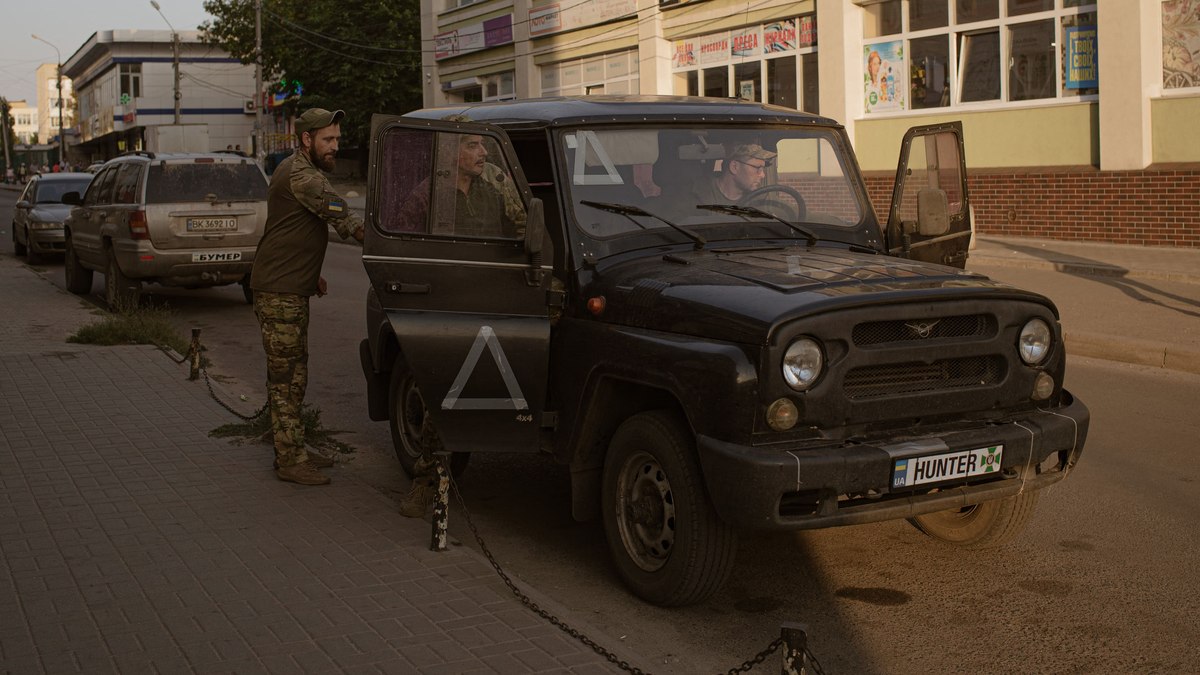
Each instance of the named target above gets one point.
<point>133,326</point>
<point>259,428</point>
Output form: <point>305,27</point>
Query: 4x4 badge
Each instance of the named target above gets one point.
<point>486,336</point>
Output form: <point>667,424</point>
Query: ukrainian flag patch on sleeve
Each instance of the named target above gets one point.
<point>335,206</point>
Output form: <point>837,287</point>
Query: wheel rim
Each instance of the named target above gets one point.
<point>645,511</point>
<point>410,413</point>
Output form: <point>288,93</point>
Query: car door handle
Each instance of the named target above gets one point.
<point>401,287</point>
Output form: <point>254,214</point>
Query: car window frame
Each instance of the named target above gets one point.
<point>122,170</point>
<point>102,182</point>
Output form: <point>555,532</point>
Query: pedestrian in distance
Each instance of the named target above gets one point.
<point>301,206</point>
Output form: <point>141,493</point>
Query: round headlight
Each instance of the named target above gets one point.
<point>802,364</point>
<point>1034,343</point>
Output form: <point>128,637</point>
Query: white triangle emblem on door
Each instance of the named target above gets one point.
<point>516,400</point>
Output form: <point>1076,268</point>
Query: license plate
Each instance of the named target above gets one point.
<point>211,224</point>
<point>912,471</point>
<point>217,256</point>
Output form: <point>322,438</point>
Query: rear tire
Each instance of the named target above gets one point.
<point>120,291</point>
<point>664,535</point>
<point>247,292</point>
<point>981,526</point>
<point>407,419</point>
<point>18,247</point>
<point>79,278</point>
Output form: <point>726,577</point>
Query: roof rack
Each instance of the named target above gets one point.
<point>143,153</point>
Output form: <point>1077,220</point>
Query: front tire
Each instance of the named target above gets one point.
<point>18,247</point>
<point>665,538</point>
<point>413,435</point>
<point>79,278</point>
<point>31,256</point>
<point>120,291</point>
<point>980,526</point>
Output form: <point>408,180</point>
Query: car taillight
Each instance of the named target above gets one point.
<point>137,225</point>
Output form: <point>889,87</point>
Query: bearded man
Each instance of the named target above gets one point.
<point>301,206</point>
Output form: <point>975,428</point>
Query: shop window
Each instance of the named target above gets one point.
<point>812,89</point>
<point>747,79</point>
<point>1080,63</point>
<point>930,72</point>
<point>970,11</point>
<point>1031,55</point>
<point>882,19</point>
<point>924,14</point>
<point>131,81</point>
<point>979,66</point>
<point>1016,7</point>
<point>716,82</point>
<point>1181,44</point>
<point>781,82</point>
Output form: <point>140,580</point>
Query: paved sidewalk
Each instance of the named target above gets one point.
<point>132,542</point>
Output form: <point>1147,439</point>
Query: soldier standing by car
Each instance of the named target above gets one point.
<point>287,271</point>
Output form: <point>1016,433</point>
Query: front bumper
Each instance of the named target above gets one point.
<point>47,241</point>
<point>849,484</point>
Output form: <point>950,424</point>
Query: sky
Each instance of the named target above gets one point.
<point>67,24</point>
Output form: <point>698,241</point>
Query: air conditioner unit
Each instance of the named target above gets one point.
<point>248,106</point>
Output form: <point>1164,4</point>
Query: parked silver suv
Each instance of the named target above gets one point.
<point>191,220</point>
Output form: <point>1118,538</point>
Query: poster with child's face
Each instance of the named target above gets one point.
<point>883,77</point>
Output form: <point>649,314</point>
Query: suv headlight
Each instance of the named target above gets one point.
<point>1034,343</point>
<point>802,364</point>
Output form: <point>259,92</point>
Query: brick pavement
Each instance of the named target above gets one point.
<point>131,542</point>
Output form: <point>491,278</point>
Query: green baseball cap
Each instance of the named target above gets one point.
<point>317,118</point>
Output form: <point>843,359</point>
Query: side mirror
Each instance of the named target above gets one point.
<point>535,229</point>
<point>933,212</point>
<point>72,198</point>
<point>23,204</point>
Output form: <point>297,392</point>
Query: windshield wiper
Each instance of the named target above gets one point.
<point>631,210</point>
<point>744,211</point>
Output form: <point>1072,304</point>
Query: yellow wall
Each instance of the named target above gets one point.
<point>1174,122</point>
<point>1061,135</point>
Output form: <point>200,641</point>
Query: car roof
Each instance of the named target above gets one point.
<point>572,110</point>
<point>65,175</point>
<point>179,156</point>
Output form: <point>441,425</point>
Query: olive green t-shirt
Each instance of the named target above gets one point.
<point>301,206</point>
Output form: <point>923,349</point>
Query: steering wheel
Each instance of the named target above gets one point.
<point>800,210</point>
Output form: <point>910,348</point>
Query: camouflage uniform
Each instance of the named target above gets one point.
<point>301,207</point>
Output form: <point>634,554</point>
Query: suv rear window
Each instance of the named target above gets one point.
<point>193,182</point>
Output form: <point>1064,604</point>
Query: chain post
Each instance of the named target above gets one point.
<point>441,505</point>
<point>795,644</point>
<point>194,354</point>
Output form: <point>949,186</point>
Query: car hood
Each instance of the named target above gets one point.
<point>740,295</point>
<point>50,213</point>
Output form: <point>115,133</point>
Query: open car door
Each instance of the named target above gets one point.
<point>930,216</point>
<point>453,251</point>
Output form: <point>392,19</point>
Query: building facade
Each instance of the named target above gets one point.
<point>47,103</point>
<point>125,83</point>
<point>25,122</point>
<point>1079,115</point>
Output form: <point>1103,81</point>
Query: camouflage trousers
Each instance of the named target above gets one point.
<point>283,318</point>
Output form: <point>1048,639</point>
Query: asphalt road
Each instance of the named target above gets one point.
<point>1102,580</point>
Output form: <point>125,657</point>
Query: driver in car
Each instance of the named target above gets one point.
<point>742,172</point>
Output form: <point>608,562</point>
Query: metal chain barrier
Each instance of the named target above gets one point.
<point>746,666</point>
<point>193,355</point>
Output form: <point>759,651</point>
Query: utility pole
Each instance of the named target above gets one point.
<point>260,152</point>
<point>175,52</point>
<point>62,139</point>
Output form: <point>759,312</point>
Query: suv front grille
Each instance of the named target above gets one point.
<point>870,382</point>
<point>874,333</point>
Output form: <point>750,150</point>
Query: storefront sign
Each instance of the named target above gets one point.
<point>714,48</point>
<point>684,54</point>
<point>883,76</point>
<point>473,37</point>
<point>744,42</point>
<point>779,36</point>
<point>571,15</point>
<point>1082,63</point>
<point>808,30</point>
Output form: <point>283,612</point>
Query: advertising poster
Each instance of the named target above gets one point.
<point>779,36</point>
<point>473,37</point>
<point>684,54</point>
<point>744,42</point>
<point>714,48</point>
<point>1181,43</point>
<point>1082,62</point>
<point>808,30</point>
<point>883,76</point>
<point>576,14</point>
<point>545,20</point>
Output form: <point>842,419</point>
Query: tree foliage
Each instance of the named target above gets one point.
<point>362,57</point>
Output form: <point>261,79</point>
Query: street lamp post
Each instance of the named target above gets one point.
<point>62,139</point>
<point>175,52</point>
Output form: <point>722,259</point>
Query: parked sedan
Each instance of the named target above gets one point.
<point>37,226</point>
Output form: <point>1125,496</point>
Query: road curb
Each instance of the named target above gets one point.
<point>1087,269</point>
<point>1132,350</point>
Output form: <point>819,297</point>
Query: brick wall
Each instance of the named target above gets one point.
<point>1155,207</point>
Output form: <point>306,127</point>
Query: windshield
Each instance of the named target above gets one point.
<point>170,182</point>
<point>52,191</point>
<point>793,176</point>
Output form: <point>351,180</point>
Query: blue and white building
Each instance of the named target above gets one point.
<point>124,83</point>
